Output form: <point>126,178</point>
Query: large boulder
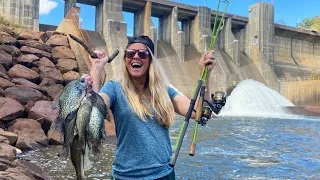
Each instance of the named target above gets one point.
<point>20,71</point>
<point>37,52</point>
<point>30,134</point>
<point>58,40</point>
<point>65,65</point>
<point>43,110</point>
<point>10,109</point>
<point>24,94</point>
<point>36,44</point>
<point>62,52</point>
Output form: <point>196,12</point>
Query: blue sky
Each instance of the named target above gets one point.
<point>287,12</point>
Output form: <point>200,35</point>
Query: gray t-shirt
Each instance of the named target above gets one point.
<point>143,148</point>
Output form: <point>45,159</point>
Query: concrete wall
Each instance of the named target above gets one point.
<point>231,44</point>
<point>301,92</point>
<point>25,12</point>
<point>200,34</point>
<point>253,47</point>
<point>143,24</point>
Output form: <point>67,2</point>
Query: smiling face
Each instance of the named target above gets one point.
<point>138,66</point>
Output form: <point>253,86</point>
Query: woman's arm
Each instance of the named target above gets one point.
<point>96,72</point>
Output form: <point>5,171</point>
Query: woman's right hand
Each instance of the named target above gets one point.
<point>99,63</point>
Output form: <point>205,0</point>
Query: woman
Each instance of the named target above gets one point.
<point>143,105</point>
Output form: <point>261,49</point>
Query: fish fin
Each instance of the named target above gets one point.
<point>87,164</point>
<point>96,147</point>
<point>55,102</point>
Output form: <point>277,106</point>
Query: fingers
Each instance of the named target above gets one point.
<point>101,53</point>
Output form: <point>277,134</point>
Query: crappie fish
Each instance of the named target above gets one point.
<point>79,159</point>
<point>96,129</point>
<point>83,118</point>
<point>69,101</point>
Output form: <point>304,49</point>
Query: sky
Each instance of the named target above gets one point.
<point>287,12</point>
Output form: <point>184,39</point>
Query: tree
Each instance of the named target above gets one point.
<point>310,24</point>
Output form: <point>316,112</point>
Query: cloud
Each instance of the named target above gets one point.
<point>46,6</point>
<point>281,21</point>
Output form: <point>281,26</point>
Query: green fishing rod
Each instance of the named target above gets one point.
<point>201,83</point>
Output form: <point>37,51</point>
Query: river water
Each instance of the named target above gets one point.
<point>227,148</point>
<point>253,138</point>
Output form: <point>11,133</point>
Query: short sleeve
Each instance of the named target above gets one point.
<point>172,92</point>
<point>109,89</point>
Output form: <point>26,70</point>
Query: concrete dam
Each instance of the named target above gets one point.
<point>284,58</point>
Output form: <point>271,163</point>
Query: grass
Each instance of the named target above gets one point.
<point>10,27</point>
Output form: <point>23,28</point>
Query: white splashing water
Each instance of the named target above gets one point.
<point>252,98</point>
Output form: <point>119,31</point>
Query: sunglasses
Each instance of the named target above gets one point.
<point>130,53</point>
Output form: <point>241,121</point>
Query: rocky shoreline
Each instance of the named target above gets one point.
<point>34,68</point>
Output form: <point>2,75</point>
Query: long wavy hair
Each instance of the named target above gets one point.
<point>159,100</point>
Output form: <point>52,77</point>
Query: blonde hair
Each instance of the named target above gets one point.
<point>157,84</point>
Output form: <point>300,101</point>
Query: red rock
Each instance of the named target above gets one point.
<point>10,109</point>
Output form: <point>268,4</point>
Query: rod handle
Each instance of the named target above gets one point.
<point>192,149</point>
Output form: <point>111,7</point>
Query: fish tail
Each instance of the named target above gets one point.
<point>96,147</point>
<point>87,164</point>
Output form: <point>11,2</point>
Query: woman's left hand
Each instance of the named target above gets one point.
<point>207,59</point>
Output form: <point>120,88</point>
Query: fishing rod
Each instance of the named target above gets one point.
<point>198,97</point>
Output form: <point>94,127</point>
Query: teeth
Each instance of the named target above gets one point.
<point>136,65</point>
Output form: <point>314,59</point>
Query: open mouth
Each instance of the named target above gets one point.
<point>136,65</point>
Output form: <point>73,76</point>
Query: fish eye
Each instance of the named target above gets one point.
<point>82,80</point>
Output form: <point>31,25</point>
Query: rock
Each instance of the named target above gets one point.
<point>5,59</point>
<point>70,76</point>
<point>5,83</point>
<point>20,71</point>
<point>1,92</point>
<point>27,59</point>
<point>37,52</point>
<point>7,152</point>
<point>8,40</point>
<point>17,173</point>
<point>62,52</point>
<point>47,81</point>
<point>26,83</point>
<point>54,137</point>
<point>50,72</point>
<point>4,75</point>
<point>35,170</point>
<point>10,136</point>
<point>28,106</point>
<point>43,109</point>
<point>36,44</point>
<point>66,65</point>
<point>58,40</point>
<point>44,62</point>
<point>53,90</point>
<point>3,140</point>
<point>2,69</point>
<point>14,51</point>
<point>6,164</point>
<point>10,109</point>
<point>24,94</point>
<point>27,35</point>
<point>30,134</point>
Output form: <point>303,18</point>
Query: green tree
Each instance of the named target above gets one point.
<point>311,24</point>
